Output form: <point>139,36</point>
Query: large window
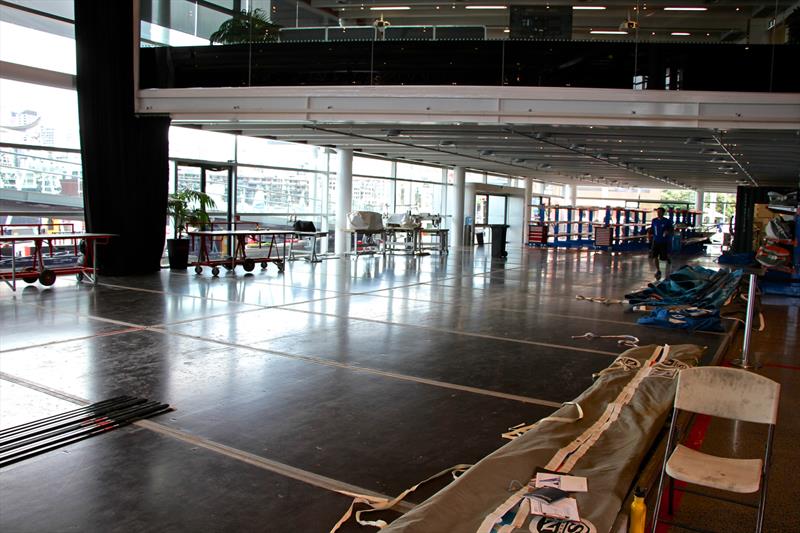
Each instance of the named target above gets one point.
<point>42,171</point>
<point>410,171</point>
<point>199,145</point>
<point>371,194</point>
<point>271,153</point>
<point>475,177</point>
<point>503,181</point>
<point>34,48</point>
<point>419,197</point>
<point>268,190</point>
<point>38,115</point>
<point>369,166</point>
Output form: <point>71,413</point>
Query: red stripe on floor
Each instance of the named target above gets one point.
<point>694,440</point>
<point>778,365</point>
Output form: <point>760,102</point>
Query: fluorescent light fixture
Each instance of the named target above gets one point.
<point>680,33</point>
<point>506,30</point>
<point>390,8</point>
<point>685,9</point>
<point>588,8</point>
<point>487,7</point>
<point>608,32</point>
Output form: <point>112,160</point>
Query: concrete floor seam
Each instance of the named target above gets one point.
<point>85,337</point>
<point>257,307</point>
<point>404,377</point>
<point>528,311</point>
<point>61,395</point>
<point>276,467</point>
<point>142,326</point>
<point>456,332</point>
<point>369,370</point>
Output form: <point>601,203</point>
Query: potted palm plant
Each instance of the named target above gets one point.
<point>186,207</point>
<point>246,27</point>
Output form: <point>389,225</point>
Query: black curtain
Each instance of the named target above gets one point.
<point>125,157</point>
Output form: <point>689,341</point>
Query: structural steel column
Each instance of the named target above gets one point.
<point>344,198</point>
<point>572,195</point>
<point>526,210</point>
<point>457,229</point>
<point>698,203</point>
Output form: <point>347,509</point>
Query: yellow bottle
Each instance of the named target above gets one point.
<point>638,512</point>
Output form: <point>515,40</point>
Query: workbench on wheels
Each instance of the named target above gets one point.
<point>39,269</point>
<point>276,240</point>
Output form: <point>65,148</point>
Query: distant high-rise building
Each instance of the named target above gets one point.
<point>47,137</point>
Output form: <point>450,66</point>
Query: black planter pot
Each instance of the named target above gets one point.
<point>178,251</point>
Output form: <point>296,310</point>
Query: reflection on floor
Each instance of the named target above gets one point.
<point>363,375</point>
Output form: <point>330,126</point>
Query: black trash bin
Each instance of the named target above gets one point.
<point>499,240</point>
<point>479,236</point>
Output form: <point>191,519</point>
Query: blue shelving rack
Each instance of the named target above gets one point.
<point>628,227</point>
<point>570,226</point>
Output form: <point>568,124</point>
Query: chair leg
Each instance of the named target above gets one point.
<point>670,495</point>
<point>762,502</point>
<point>660,491</point>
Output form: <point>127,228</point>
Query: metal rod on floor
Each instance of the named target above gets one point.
<point>744,361</point>
<point>85,411</point>
<point>33,443</point>
<point>20,455</point>
<point>62,426</point>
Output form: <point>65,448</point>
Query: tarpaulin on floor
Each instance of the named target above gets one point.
<point>623,412</point>
<point>691,298</point>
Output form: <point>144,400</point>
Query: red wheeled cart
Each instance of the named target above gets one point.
<point>32,267</point>
<point>274,239</point>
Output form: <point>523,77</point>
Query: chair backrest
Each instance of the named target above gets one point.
<point>728,393</point>
<point>304,225</point>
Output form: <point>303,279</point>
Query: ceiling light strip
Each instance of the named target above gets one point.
<point>390,8</point>
<point>688,8</point>
<point>608,32</point>
<point>605,160</point>
<point>588,8</point>
<point>744,170</point>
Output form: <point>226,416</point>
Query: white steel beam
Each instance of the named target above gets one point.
<point>482,105</point>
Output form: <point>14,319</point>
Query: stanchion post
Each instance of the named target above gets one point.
<point>744,361</point>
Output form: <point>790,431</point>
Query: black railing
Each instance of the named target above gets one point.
<point>686,66</point>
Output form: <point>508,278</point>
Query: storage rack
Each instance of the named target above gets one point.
<point>628,228</point>
<point>537,227</point>
<point>570,226</point>
<point>688,237</point>
<point>785,281</point>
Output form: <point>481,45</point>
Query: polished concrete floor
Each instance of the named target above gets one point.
<point>360,375</point>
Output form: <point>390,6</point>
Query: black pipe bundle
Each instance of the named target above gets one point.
<point>34,438</point>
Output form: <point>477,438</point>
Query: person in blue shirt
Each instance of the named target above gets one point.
<point>660,232</point>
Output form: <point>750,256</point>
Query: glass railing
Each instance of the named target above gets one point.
<point>657,45</point>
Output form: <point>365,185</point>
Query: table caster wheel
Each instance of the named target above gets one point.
<point>79,276</point>
<point>215,271</point>
<point>31,279</point>
<point>264,264</point>
<point>198,270</point>
<point>281,266</point>
<point>248,265</point>
<point>47,277</point>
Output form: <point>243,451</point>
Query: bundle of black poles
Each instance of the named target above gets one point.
<point>28,440</point>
